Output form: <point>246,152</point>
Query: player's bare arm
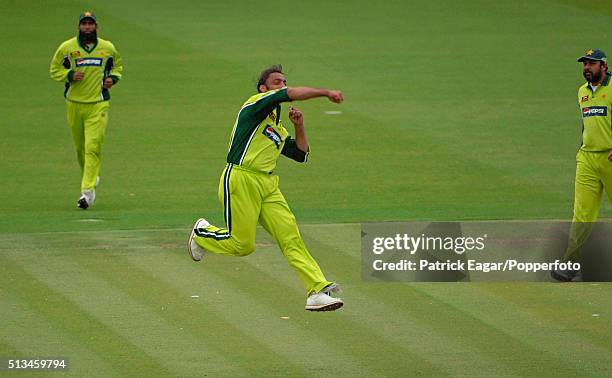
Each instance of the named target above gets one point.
<point>306,93</point>
<point>610,155</point>
<point>297,118</point>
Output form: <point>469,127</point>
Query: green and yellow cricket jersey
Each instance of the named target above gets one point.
<point>259,137</point>
<point>97,61</point>
<point>596,108</point>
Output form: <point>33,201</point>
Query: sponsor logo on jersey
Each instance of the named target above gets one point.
<point>82,62</point>
<point>595,111</point>
<point>584,99</point>
<point>272,116</point>
<point>271,134</point>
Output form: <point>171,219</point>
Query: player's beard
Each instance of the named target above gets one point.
<point>88,37</point>
<point>592,77</point>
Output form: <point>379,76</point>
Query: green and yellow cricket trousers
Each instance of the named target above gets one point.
<point>87,122</point>
<point>593,176</point>
<point>249,197</point>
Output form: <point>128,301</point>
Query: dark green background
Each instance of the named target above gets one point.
<point>453,111</point>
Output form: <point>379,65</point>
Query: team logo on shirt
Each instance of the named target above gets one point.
<point>584,99</point>
<point>271,134</point>
<point>74,54</point>
<point>83,62</point>
<point>595,111</point>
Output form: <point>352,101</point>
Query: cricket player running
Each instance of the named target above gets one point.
<point>89,66</point>
<point>249,190</point>
<point>594,159</point>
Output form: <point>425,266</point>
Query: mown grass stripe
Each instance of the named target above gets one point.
<point>8,348</point>
<point>543,334</point>
<point>119,352</point>
<point>359,330</point>
<point>168,343</point>
<point>330,338</point>
<point>335,332</point>
<point>578,301</point>
<point>35,336</point>
<point>409,315</point>
<point>199,321</point>
<point>399,332</point>
<point>251,315</point>
<point>445,321</point>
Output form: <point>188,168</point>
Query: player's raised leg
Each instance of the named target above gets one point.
<point>240,195</point>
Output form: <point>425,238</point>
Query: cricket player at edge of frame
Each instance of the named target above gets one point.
<point>594,158</point>
<point>89,66</point>
<point>249,190</point>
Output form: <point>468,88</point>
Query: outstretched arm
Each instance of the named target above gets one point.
<point>306,93</point>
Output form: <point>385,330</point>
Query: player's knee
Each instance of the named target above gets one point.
<point>93,147</point>
<point>292,243</point>
<point>245,249</point>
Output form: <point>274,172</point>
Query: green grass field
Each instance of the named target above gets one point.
<point>453,111</point>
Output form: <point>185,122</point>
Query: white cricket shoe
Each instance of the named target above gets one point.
<point>87,198</point>
<point>194,249</point>
<point>323,302</point>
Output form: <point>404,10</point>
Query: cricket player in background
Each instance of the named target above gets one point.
<point>249,190</point>
<point>89,66</point>
<point>594,159</point>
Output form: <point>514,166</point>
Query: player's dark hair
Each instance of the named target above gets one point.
<point>267,72</point>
